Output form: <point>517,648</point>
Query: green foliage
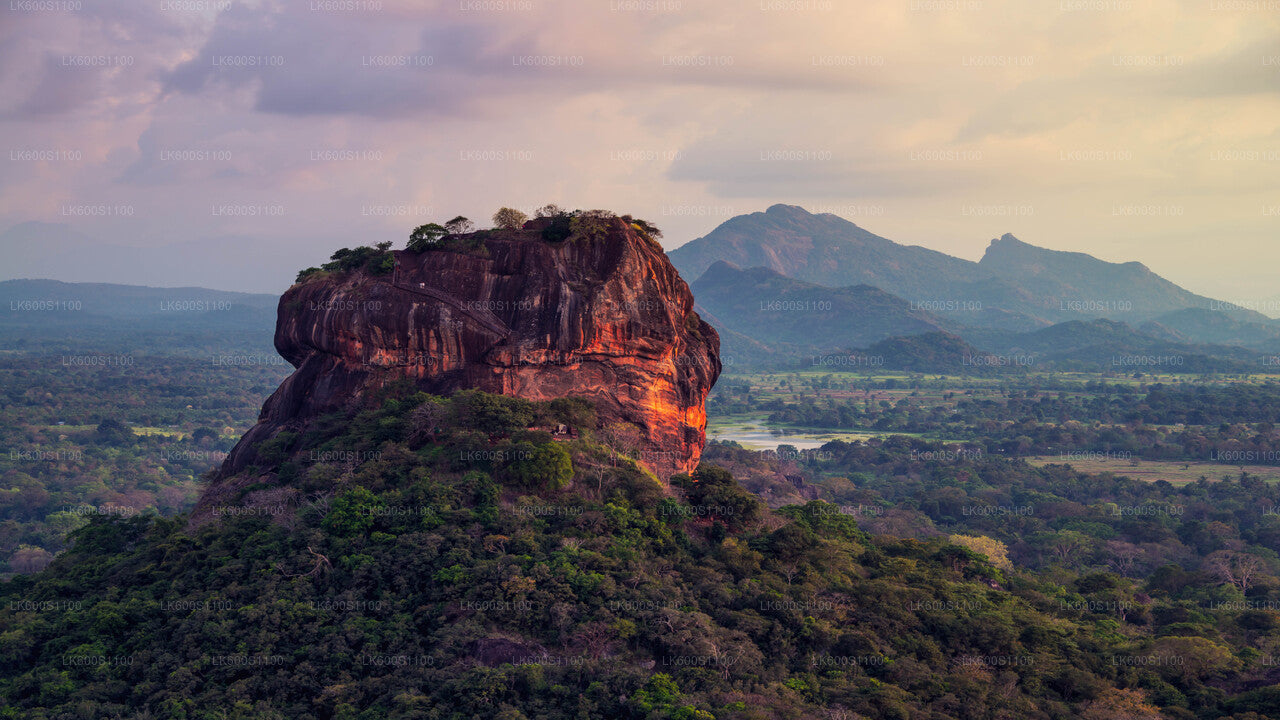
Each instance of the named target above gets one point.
<point>424,236</point>
<point>113,432</point>
<point>434,577</point>
<point>494,414</point>
<point>591,225</point>
<point>124,440</point>
<point>545,466</point>
<point>352,512</point>
<point>376,260</point>
<point>274,451</point>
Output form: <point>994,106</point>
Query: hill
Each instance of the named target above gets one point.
<point>58,317</point>
<point>786,314</point>
<point>470,567</point>
<point>1110,345</point>
<point>1214,327</point>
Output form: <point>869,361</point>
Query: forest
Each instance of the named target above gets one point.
<point>449,557</point>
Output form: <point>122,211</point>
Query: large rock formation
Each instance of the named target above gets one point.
<point>608,319</point>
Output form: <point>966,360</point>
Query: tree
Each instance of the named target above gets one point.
<point>1122,556</point>
<point>113,432</point>
<point>623,438</point>
<point>202,433</point>
<point>1068,545</point>
<point>648,229</point>
<point>424,236</point>
<point>29,559</point>
<point>509,219</point>
<point>1236,568</point>
<point>549,210</point>
<point>427,419</point>
<point>997,553</point>
<point>592,225</point>
<point>540,466</point>
<point>459,226</point>
<point>352,512</point>
<point>1120,704</point>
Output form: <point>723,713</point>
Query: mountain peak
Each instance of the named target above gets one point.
<point>721,267</point>
<point>783,209</point>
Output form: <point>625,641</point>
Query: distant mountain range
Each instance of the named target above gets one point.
<point>769,320</point>
<point>53,316</point>
<point>779,310</point>
<point>55,250</point>
<point>785,285</point>
<point>1015,286</point>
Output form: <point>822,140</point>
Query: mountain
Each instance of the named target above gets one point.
<point>56,250</point>
<point>1213,326</point>
<point>768,320</point>
<point>1115,346</point>
<point>504,312</point>
<point>1015,287</point>
<point>53,316</point>
<point>125,301</point>
<point>822,249</point>
<point>788,315</point>
<point>1082,285</point>
<point>937,352</point>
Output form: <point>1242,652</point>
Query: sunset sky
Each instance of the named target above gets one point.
<point>1128,130</point>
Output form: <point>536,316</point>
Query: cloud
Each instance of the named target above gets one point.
<point>683,115</point>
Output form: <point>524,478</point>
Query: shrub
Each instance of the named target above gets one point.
<point>546,466</point>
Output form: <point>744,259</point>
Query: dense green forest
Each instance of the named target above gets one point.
<point>1226,422</point>
<point>122,438</point>
<point>468,564</point>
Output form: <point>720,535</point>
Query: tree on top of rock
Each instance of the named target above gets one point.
<point>459,226</point>
<point>424,236</point>
<point>509,219</point>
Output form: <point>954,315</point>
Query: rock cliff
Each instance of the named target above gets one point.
<point>606,318</point>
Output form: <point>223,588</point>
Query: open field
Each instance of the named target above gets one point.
<point>754,433</point>
<point>1174,471</point>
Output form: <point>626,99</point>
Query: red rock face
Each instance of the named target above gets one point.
<point>610,320</point>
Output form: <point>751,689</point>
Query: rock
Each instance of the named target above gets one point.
<point>608,319</point>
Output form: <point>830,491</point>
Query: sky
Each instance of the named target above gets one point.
<point>276,132</point>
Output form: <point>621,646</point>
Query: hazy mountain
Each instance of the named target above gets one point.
<point>767,319</point>
<point>1015,286</point>
<point>932,353</point>
<point>54,316</point>
<point>1082,285</point>
<point>127,300</point>
<point>785,314</point>
<point>1213,326</point>
<point>1109,345</point>
<point>54,250</point>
